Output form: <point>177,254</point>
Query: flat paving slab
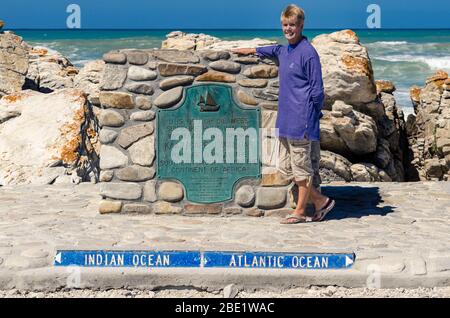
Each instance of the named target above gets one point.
<point>399,233</point>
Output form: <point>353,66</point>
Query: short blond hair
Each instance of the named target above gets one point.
<point>293,10</point>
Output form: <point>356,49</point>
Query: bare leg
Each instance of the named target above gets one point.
<point>307,192</point>
<point>317,198</point>
<point>304,188</point>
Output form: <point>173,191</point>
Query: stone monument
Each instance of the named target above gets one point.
<point>185,132</point>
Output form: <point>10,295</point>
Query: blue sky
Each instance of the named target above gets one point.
<point>210,14</point>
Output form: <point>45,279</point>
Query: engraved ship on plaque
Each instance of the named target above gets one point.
<point>208,104</point>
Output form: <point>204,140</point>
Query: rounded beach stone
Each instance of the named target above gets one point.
<point>255,83</point>
<point>261,71</point>
<point>137,57</point>
<point>270,198</point>
<point>170,191</point>
<point>247,60</point>
<point>111,157</point>
<point>151,65</point>
<point>215,76</point>
<point>226,66</point>
<point>115,57</point>
<point>137,208</point>
<point>176,56</point>
<point>232,210</point>
<point>121,191</point>
<point>245,196</point>
<point>150,191</point>
<point>143,116</point>
<point>132,134</point>
<point>170,69</point>
<point>117,100</point>
<point>137,73</point>
<point>143,102</point>
<point>246,99</point>
<point>175,81</point>
<point>140,88</point>
<point>107,136</point>
<point>108,117</point>
<point>142,152</point>
<point>135,173</point>
<point>271,178</point>
<point>272,90</point>
<point>255,212</point>
<point>215,55</point>
<point>113,77</point>
<point>263,94</point>
<point>108,206</point>
<point>190,208</point>
<point>169,98</point>
<point>106,175</point>
<point>166,208</point>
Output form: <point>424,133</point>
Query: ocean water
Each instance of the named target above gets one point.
<point>405,57</point>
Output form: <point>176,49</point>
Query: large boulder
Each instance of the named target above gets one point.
<point>36,68</point>
<point>187,41</point>
<point>348,132</point>
<point>13,63</point>
<point>49,70</point>
<point>346,68</point>
<point>190,41</point>
<point>379,139</point>
<point>337,164</point>
<point>368,172</point>
<point>45,137</point>
<point>334,167</point>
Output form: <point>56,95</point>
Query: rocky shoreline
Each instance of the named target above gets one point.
<point>364,135</point>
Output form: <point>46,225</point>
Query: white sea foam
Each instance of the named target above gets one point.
<point>406,111</point>
<point>388,43</point>
<point>403,93</point>
<point>434,62</point>
<point>403,100</point>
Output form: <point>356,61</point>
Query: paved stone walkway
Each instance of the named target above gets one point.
<point>400,233</point>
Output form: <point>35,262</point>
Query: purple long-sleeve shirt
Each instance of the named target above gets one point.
<point>301,92</point>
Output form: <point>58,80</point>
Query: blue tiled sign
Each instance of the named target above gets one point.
<point>277,260</point>
<point>208,259</point>
<point>127,258</point>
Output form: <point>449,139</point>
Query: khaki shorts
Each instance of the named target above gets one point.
<point>295,159</point>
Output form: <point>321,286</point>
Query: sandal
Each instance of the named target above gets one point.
<point>322,213</point>
<point>296,219</point>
